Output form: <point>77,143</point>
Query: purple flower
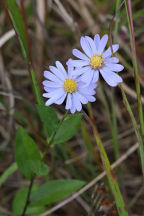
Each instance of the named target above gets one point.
<point>96,60</point>
<point>63,85</point>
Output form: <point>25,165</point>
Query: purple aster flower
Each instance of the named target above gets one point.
<point>63,85</point>
<point>96,60</point>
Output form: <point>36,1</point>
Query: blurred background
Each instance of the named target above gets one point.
<point>55,28</point>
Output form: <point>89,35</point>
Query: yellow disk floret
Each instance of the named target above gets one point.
<point>96,62</point>
<point>70,85</point>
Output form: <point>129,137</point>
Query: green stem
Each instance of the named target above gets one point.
<point>135,65</point>
<point>117,15</point>
<point>139,138</point>
<point>110,175</point>
<point>112,120</point>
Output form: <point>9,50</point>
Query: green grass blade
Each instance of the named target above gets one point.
<point>17,21</point>
<point>11,169</point>
<point>141,147</point>
<point>135,65</point>
<point>117,15</point>
<point>112,120</point>
<point>19,25</point>
<point>110,175</point>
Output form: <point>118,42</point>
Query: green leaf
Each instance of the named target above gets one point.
<point>18,23</point>
<point>68,128</point>
<point>53,191</point>
<point>38,167</point>
<point>20,200</point>
<point>49,119</point>
<point>25,151</point>
<point>11,169</point>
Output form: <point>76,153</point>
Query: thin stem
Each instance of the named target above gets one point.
<point>117,14</point>
<point>33,178</point>
<point>110,175</point>
<point>135,65</point>
<point>139,138</point>
<point>28,196</point>
<point>30,59</point>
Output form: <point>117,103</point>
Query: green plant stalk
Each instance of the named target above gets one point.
<point>117,15</point>
<point>110,175</point>
<point>18,21</point>
<point>114,128</point>
<point>36,90</point>
<point>42,158</point>
<point>112,121</point>
<point>135,65</point>
<point>90,146</point>
<point>139,138</point>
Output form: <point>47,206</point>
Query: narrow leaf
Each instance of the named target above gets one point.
<point>53,191</point>
<point>18,23</point>
<point>11,169</point>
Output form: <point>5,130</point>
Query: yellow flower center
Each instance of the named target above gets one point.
<point>96,62</point>
<point>70,85</point>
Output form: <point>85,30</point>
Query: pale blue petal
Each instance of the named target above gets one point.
<point>111,60</point>
<point>48,89</point>
<point>87,77</point>
<point>61,99</point>
<point>76,102</point>
<point>92,44</point>
<point>97,41</point>
<point>102,44</point>
<point>108,52</point>
<point>61,68</point>
<point>85,46</point>
<point>82,99</point>
<point>54,98</point>
<point>51,84</point>
<point>95,76</point>
<point>80,71</point>
<point>110,77</point>
<point>91,98</point>
<point>68,102</point>
<point>115,67</point>
<point>79,54</point>
<point>86,90</point>
<point>73,109</point>
<point>56,93</point>
<point>50,101</point>
<point>78,63</point>
<point>51,77</point>
<point>70,71</point>
<point>58,73</point>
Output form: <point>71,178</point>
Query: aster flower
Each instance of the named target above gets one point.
<point>63,85</point>
<point>96,60</point>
